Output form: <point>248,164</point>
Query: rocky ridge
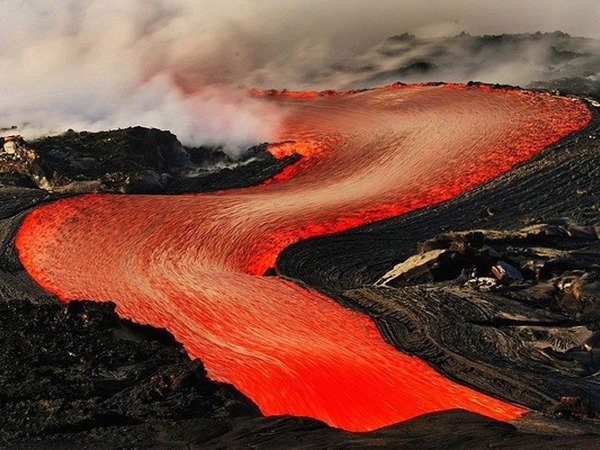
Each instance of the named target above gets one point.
<point>131,160</point>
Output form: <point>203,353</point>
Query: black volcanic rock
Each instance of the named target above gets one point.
<point>255,166</point>
<point>206,157</point>
<point>589,87</point>
<point>77,367</point>
<point>131,160</point>
<point>83,154</point>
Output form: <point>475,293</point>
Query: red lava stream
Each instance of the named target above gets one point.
<point>192,263</point>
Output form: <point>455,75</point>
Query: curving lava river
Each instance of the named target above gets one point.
<point>193,263</point>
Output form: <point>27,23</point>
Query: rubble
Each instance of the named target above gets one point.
<point>417,268</point>
<point>555,263</point>
<point>13,148</point>
<point>533,252</point>
<point>10,144</point>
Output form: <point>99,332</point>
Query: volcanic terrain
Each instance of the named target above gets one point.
<point>302,326</point>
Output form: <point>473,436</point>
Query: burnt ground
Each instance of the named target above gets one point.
<point>78,376</point>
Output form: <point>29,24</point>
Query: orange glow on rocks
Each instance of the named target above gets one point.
<point>192,263</point>
<point>311,152</point>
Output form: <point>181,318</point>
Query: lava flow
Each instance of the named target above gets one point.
<point>192,263</point>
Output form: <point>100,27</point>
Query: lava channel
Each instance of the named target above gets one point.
<point>193,263</point>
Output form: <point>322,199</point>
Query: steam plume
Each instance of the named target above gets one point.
<point>186,65</point>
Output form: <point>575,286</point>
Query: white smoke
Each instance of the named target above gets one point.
<point>106,64</point>
<point>187,65</point>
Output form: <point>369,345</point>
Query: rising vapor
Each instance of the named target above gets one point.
<point>97,65</point>
<point>186,66</point>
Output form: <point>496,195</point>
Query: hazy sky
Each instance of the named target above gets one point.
<point>175,63</point>
<point>356,23</point>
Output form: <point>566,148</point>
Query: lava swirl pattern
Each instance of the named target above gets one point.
<point>194,263</point>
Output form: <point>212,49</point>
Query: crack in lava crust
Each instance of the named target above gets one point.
<point>191,263</point>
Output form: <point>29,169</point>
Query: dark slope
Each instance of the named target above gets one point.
<point>130,160</point>
<point>15,282</point>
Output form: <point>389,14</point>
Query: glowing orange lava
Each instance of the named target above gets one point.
<point>192,263</point>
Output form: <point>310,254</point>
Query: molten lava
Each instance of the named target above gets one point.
<point>192,263</point>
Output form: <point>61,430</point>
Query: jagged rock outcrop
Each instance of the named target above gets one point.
<point>131,160</point>
<point>555,265</point>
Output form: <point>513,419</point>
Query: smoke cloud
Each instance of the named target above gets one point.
<point>106,64</point>
<point>187,65</point>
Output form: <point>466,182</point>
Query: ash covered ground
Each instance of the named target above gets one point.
<point>503,273</point>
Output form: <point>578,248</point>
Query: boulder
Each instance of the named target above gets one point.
<point>505,272</point>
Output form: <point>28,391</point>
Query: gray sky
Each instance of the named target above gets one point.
<point>174,64</point>
<point>357,23</point>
